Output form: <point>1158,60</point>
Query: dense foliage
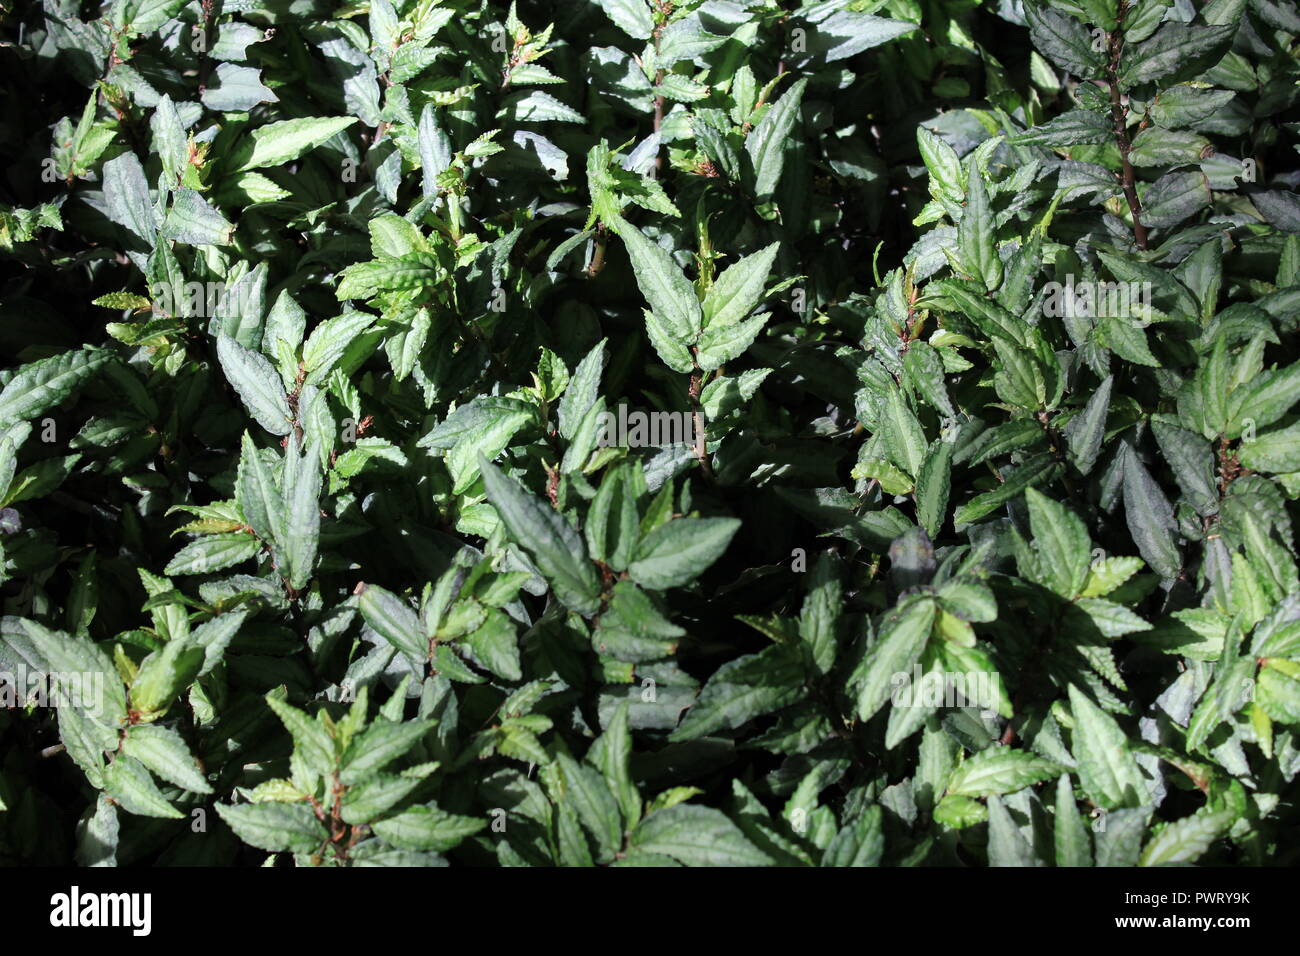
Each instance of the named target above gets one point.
<point>637,432</point>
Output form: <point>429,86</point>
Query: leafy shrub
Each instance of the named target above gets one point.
<point>632,432</point>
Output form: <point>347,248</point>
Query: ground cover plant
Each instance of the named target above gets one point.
<point>627,432</point>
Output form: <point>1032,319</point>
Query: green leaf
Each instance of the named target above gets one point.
<point>976,233</point>
<point>611,754</point>
<point>39,386</point>
<point>1106,574</point>
<point>674,352</point>
<point>631,16</point>
<point>329,341</point>
<point>671,297</point>
<point>901,430</point>
<point>820,615</point>
<point>738,289</point>
<point>960,812</point>
<point>126,192</point>
<point>61,653</point>
<point>1074,128</point>
<point>165,752</point>
<point>301,486</point>
<point>145,16</point>
<point>696,836</point>
<point>924,371</point>
<point>165,673</point>
<point>677,553</point>
<point>1000,770</point>
<point>393,620</point>
<point>493,644</point>
<point>275,826</point>
<point>1277,451</point>
<point>1062,542</point>
<point>947,178</point>
<point>767,142</point>
<point>582,391</point>
<point>743,689</point>
<point>1185,840</point>
<point>555,547</point>
<point>1192,462</point>
<point>427,828</point>
<point>897,648</point>
<point>1120,840</point>
<point>1007,845</point>
<point>275,144</point>
<point>1064,41</point>
<point>1086,431</point>
<point>364,280</point>
<point>860,843</point>
<point>613,525</point>
<point>311,742</point>
<point>128,782</point>
<point>255,490</point>
<point>213,552</point>
<point>933,485</point>
<point>489,439</point>
<point>1182,48</point>
<point>721,344</point>
<point>257,384</point>
<point>375,796</point>
<point>1173,197</point>
<point>195,221</point>
<point>97,834</point>
<point>586,791</point>
<point>1032,472</point>
<point>1073,848</point>
<point>1150,518</point>
<point>1108,770</point>
<point>1263,401</point>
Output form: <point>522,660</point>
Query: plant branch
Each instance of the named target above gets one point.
<point>1119,117</point>
<point>697,416</point>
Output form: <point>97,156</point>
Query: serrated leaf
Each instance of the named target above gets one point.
<point>1185,840</point>
<point>696,836</point>
<point>257,384</point>
<point>1000,770</point>
<point>553,544</point>
<point>39,386</point>
<point>743,689</point>
<point>128,782</point>
<point>767,142</point>
<point>275,826</point>
<point>278,143</point>
<point>896,649</point>
<point>1070,834</point>
<point>676,553</point>
<point>738,288</point>
<point>1062,542</point>
<point>427,828</point>
<point>671,297</point>
<point>164,751</point>
<point>1108,770</point>
<point>393,620</point>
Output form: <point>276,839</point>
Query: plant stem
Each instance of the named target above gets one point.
<point>598,254</point>
<point>1119,116</point>
<point>697,418</point>
<point>659,115</point>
